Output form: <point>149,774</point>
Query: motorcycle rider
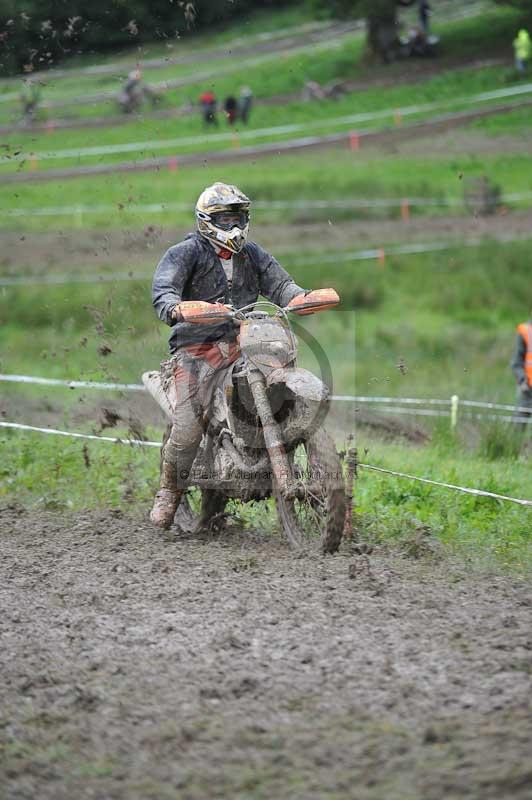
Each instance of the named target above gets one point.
<point>219,265</point>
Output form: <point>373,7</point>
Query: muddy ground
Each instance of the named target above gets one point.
<point>137,665</point>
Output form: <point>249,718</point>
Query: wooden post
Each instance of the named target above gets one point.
<point>454,411</point>
<point>351,464</point>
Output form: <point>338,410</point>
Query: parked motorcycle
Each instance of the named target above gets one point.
<point>263,434</point>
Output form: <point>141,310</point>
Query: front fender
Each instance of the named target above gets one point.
<point>301,382</point>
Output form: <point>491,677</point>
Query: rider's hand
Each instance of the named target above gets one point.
<point>176,314</point>
<point>316,300</point>
<point>297,301</point>
<point>201,311</point>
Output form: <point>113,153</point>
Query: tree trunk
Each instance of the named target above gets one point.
<point>381,20</point>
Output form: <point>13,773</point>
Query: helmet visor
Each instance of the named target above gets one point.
<point>227,220</point>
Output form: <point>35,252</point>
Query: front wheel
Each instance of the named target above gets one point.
<point>316,506</point>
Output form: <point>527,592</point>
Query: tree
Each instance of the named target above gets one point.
<point>36,34</point>
<point>380,16</point>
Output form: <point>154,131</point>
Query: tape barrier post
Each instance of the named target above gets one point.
<point>381,256</point>
<point>34,164</point>
<point>354,141</point>
<point>397,118</point>
<point>405,210</point>
<point>454,411</point>
<point>172,163</point>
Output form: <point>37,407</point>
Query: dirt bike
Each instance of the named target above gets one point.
<point>264,434</point>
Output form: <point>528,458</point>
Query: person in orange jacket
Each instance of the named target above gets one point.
<point>522,366</point>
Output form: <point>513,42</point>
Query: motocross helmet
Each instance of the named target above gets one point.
<point>222,216</point>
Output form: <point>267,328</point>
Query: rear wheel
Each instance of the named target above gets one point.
<point>317,507</point>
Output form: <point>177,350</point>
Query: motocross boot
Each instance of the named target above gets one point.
<point>167,498</point>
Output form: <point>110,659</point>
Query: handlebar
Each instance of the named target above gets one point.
<point>201,312</point>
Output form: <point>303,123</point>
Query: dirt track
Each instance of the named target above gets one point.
<point>51,251</point>
<point>382,137</point>
<point>137,666</point>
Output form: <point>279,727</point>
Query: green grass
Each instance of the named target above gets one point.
<point>403,512</point>
<point>241,31</point>
<point>187,135</point>
<point>479,36</point>
<point>262,71</point>
<point>435,311</point>
<point>52,473</point>
<point>288,177</point>
<point>513,123</point>
<point>448,317</point>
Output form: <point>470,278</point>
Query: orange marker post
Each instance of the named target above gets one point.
<point>50,126</point>
<point>172,163</point>
<point>397,118</point>
<point>236,139</point>
<point>354,141</point>
<point>34,163</point>
<point>405,210</point>
<point>381,257</point>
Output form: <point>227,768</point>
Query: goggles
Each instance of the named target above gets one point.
<point>227,220</point>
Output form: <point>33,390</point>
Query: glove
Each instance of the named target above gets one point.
<point>311,302</point>
<point>203,312</point>
<point>177,315</point>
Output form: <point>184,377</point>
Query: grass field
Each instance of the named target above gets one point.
<point>444,333</point>
<point>278,178</point>
<point>427,325</point>
<point>484,35</point>
<point>373,108</point>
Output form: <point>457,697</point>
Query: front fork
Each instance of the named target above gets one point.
<point>272,432</point>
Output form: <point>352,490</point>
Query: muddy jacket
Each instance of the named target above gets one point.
<point>191,270</point>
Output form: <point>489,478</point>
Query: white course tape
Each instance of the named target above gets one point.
<point>425,412</point>
<point>141,443</point>
<point>139,387</point>
<point>159,208</point>
<point>132,387</point>
<point>55,432</point>
<point>432,401</point>
<point>464,489</point>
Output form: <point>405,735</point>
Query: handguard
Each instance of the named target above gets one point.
<point>317,300</point>
<point>202,312</point>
